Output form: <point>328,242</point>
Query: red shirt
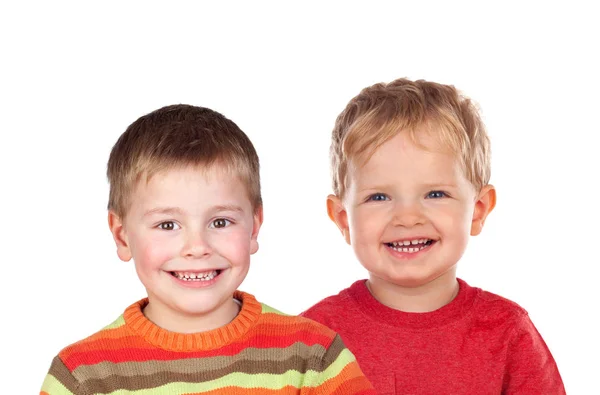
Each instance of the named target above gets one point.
<point>479,343</point>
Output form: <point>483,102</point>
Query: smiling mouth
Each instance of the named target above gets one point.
<point>196,276</point>
<point>410,246</point>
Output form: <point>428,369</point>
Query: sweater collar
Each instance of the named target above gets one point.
<point>247,317</point>
<point>453,311</point>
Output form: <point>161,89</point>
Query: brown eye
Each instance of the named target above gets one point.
<point>220,223</point>
<point>169,225</point>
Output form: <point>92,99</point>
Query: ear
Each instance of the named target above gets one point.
<point>115,223</point>
<point>337,213</point>
<point>484,204</point>
<point>258,220</point>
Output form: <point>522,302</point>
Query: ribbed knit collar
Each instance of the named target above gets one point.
<point>209,340</point>
<point>453,311</point>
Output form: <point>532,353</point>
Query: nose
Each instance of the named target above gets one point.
<point>408,214</point>
<point>196,245</point>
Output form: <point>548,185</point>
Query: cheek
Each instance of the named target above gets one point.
<point>453,221</point>
<point>233,245</point>
<point>153,250</point>
<point>367,226</point>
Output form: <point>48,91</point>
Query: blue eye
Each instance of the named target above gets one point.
<point>436,195</point>
<point>168,225</point>
<point>377,197</point>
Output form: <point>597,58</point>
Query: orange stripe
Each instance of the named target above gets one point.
<point>349,377</point>
<point>103,344</point>
<point>262,336</point>
<point>287,390</point>
<point>357,384</point>
<point>290,326</point>
<point>269,324</point>
<point>270,340</point>
<point>109,344</point>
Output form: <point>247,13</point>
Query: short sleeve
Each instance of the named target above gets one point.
<point>530,368</point>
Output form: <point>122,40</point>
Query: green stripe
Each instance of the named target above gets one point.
<point>240,380</point>
<point>62,375</point>
<point>268,309</point>
<point>54,387</point>
<point>118,322</point>
<point>243,380</point>
<point>315,379</point>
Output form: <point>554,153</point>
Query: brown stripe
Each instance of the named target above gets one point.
<point>136,376</point>
<point>139,382</point>
<point>333,351</point>
<point>194,365</point>
<point>62,374</point>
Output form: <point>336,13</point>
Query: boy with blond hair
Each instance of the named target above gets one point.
<point>411,170</point>
<point>185,205</point>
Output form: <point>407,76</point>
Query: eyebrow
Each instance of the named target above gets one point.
<point>228,207</point>
<point>372,189</point>
<point>439,185</point>
<point>178,211</point>
<point>377,188</point>
<point>163,210</point>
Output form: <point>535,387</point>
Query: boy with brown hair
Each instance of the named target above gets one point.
<point>185,205</point>
<point>411,170</point>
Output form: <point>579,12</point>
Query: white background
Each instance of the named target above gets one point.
<point>74,76</point>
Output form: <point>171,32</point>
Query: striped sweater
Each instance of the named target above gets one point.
<point>262,351</point>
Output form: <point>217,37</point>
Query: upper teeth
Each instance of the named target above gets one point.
<point>188,276</point>
<point>415,245</point>
<point>409,242</point>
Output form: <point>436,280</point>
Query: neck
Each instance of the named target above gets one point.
<point>180,322</point>
<point>418,299</point>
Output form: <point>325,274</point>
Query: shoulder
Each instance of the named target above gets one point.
<point>498,303</point>
<point>306,335</point>
<point>529,364</point>
<point>314,350</point>
<point>87,351</point>
<point>300,327</point>
<point>334,305</point>
<point>92,346</point>
<point>495,309</point>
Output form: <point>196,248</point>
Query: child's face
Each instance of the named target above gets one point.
<point>408,213</point>
<point>190,233</point>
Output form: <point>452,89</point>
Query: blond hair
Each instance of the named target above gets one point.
<point>178,136</point>
<point>381,111</point>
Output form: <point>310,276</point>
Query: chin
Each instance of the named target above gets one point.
<point>405,280</point>
<point>196,309</point>
<point>409,282</point>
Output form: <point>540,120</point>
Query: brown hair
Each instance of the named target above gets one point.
<point>176,136</point>
<point>381,111</point>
